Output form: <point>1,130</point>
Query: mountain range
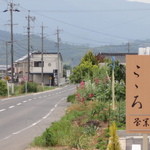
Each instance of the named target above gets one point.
<point>71,53</point>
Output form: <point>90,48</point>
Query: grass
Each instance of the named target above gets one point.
<point>77,129</point>
<point>18,89</point>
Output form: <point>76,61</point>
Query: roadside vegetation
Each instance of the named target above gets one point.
<point>20,89</point>
<point>90,122</point>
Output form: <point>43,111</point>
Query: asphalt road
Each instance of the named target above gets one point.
<point>25,117</point>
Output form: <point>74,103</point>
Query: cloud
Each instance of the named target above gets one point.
<point>141,1</point>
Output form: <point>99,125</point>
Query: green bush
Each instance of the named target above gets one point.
<point>71,98</point>
<point>49,138</point>
<point>3,88</point>
<point>101,111</point>
<point>31,87</point>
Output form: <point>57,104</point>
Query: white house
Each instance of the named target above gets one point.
<point>3,70</point>
<point>51,63</point>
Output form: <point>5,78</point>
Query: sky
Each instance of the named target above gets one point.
<point>86,22</point>
<point>141,1</point>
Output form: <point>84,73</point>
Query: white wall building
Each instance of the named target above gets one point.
<point>50,68</point>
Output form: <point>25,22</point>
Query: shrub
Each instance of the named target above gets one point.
<point>31,87</point>
<point>49,138</point>
<point>3,88</point>
<point>114,140</point>
<point>101,111</point>
<point>71,98</point>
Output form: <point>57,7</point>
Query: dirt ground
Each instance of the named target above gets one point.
<point>55,148</point>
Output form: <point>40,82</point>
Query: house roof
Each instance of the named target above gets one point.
<point>26,56</point>
<point>118,56</point>
<point>21,59</point>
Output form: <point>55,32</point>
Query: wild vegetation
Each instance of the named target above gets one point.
<point>21,88</point>
<point>89,121</point>
<point>3,88</point>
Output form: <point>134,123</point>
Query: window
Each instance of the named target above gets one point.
<point>38,64</point>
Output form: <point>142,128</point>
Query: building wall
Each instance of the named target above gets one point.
<point>21,69</point>
<point>47,80</point>
<point>50,63</point>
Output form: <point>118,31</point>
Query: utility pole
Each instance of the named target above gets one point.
<point>7,42</point>
<point>6,58</point>
<point>58,53</point>
<point>12,9</point>
<point>128,47</point>
<point>42,50</point>
<point>29,18</point>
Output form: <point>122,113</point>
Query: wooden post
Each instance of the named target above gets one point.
<point>145,142</point>
<point>113,90</point>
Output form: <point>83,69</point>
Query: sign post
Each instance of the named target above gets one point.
<point>25,79</point>
<point>8,89</point>
<point>138,95</point>
<point>50,81</point>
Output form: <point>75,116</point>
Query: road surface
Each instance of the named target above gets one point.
<point>25,117</point>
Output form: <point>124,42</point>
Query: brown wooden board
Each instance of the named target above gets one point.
<point>138,93</point>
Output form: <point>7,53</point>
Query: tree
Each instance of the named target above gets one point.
<point>119,70</point>
<point>3,88</point>
<point>66,67</point>
<point>85,69</point>
<point>89,57</point>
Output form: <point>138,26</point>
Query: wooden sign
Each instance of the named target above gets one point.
<point>138,93</point>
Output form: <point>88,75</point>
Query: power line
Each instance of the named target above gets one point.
<point>85,38</point>
<point>92,11</point>
<point>87,29</point>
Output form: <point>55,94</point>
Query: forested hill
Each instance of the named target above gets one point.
<point>71,53</point>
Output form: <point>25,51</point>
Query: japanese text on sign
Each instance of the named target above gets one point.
<point>137,93</point>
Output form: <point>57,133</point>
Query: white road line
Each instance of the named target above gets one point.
<point>19,104</point>
<point>2,110</point>
<point>52,109</point>
<point>29,99</point>
<point>24,101</point>
<point>35,123</point>
<point>7,137</point>
<point>11,107</point>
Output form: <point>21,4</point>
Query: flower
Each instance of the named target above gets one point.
<point>91,95</point>
<point>82,84</point>
<point>82,99</point>
<point>96,80</point>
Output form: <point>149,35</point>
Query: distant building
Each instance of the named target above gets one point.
<point>144,51</point>
<point>121,57</point>
<point>50,68</point>
<point>3,70</point>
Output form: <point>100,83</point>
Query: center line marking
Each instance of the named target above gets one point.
<point>2,110</point>
<point>11,107</point>
<point>24,101</point>
<point>18,104</point>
